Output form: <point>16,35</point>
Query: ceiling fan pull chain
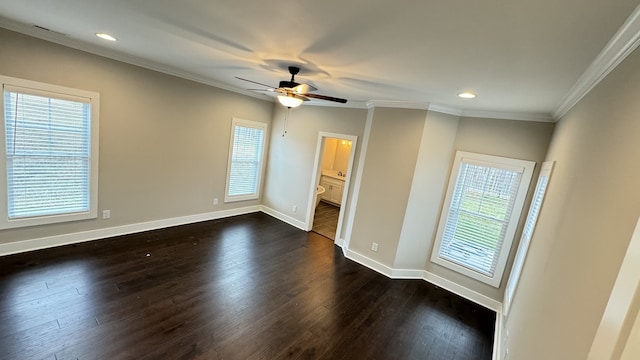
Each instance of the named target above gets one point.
<point>286,121</point>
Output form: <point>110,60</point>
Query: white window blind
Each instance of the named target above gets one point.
<point>245,160</point>
<point>527,233</point>
<point>47,149</point>
<point>481,213</point>
<point>48,165</point>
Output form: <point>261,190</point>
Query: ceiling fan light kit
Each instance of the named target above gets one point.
<point>292,94</point>
<point>290,100</point>
<point>467,95</point>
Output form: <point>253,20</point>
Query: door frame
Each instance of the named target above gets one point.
<point>315,179</point>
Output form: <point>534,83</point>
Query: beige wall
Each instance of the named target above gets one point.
<point>164,146</point>
<point>404,178</point>
<point>515,139</point>
<point>585,224</point>
<point>386,179</point>
<point>428,188</point>
<point>329,153</point>
<point>341,160</point>
<point>336,155</point>
<point>163,140</point>
<point>632,347</point>
<point>291,157</point>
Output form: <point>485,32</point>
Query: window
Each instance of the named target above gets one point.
<point>480,216</point>
<point>527,233</point>
<point>49,165</point>
<point>246,154</point>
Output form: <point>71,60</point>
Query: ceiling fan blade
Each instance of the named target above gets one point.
<point>255,82</point>
<point>324,97</point>
<point>303,89</point>
<point>269,90</point>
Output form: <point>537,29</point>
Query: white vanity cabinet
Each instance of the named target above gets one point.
<point>333,189</point>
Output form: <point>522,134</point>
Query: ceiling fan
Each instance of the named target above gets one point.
<point>292,94</point>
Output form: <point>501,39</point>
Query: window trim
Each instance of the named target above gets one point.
<point>461,157</point>
<point>523,247</point>
<point>61,92</point>
<point>247,124</point>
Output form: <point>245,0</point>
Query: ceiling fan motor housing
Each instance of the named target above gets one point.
<point>288,84</point>
<point>293,70</point>
<point>293,89</point>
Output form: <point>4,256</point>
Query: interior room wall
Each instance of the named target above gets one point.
<point>402,187</point>
<point>291,157</point>
<point>335,155</point>
<point>329,153</point>
<point>437,149</point>
<point>341,159</point>
<point>585,225</point>
<point>524,140</point>
<point>164,146</point>
<point>386,179</point>
<point>619,328</point>
<point>632,347</point>
<point>164,141</point>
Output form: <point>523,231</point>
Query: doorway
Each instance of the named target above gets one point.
<point>334,158</point>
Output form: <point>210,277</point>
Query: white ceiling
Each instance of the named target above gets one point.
<point>524,59</point>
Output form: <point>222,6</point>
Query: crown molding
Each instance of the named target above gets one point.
<point>522,116</point>
<point>64,40</point>
<point>417,105</point>
<point>621,45</point>
<point>351,104</point>
<point>445,109</point>
<point>538,117</point>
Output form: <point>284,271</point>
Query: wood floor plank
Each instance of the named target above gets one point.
<point>246,287</point>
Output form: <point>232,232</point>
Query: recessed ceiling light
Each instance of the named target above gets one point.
<point>105,36</point>
<point>467,95</point>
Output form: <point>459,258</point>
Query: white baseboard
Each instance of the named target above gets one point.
<point>78,237</point>
<point>439,281</point>
<point>497,336</point>
<point>448,285</point>
<point>370,263</point>
<point>72,238</point>
<point>283,217</point>
<point>460,290</point>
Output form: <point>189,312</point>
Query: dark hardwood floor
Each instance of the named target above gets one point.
<point>325,220</point>
<point>246,287</point>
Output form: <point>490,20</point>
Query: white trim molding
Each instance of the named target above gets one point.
<point>445,110</point>
<point>418,105</point>
<point>438,281</point>
<point>83,236</point>
<point>370,263</point>
<point>522,116</point>
<point>504,115</point>
<point>623,43</point>
<point>284,218</point>
<point>62,39</point>
<point>622,308</point>
<point>72,238</point>
<point>434,279</point>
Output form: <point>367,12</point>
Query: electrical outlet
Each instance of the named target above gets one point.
<point>215,201</point>
<point>374,246</point>
<point>106,214</point>
<point>294,208</point>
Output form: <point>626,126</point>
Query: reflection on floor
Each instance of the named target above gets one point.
<point>325,221</point>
